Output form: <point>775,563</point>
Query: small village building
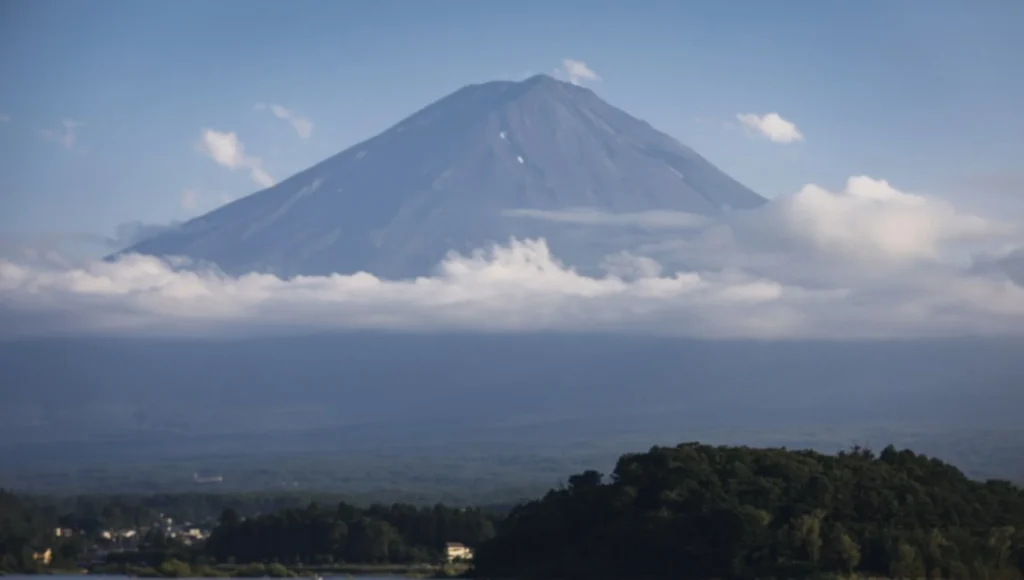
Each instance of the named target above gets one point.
<point>44,557</point>
<point>458,552</point>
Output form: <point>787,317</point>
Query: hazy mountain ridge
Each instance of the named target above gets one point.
<point>440,180</point>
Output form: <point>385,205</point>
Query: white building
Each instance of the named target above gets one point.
<point>458,552</point>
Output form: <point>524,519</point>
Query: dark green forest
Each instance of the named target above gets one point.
<point>691,511</point>
<point>697,511</point>
<point>286,530</point>
<point>377,535</point>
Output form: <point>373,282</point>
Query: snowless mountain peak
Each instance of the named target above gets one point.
<point>443,179</point>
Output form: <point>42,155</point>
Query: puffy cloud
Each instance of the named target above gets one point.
<point>869,261</point>
<point>576,71</point>
<point>226,149</point>
<point>516,287</point>
<point>628,266</point>
<point>871,221</point>
<point>66,135</point>
<point>302,125</point>
<point>772,126</point>
<point>868,235</point>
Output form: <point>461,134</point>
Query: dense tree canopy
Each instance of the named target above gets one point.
<point>380,534</point>
<point>129,510</point>
<point>697,511</point>
<point>25,530</point>
<point>250,530</point>
<point>691,511</point>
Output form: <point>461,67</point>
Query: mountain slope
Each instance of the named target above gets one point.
<point>443,179</point>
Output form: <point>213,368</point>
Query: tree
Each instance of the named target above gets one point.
<point>696,511</point>
<point>278,571</point>
<point>848,551</point>
<point>229,517</point>
<point>173,568</point>
<point>807,534</point>
<point>906,563</point>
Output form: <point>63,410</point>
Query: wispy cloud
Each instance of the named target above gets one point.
<point>52,249</point>
<point>576,71</point>
<point>225,149</point>
<point>1004,182</point>
<point>189,199</point>
<point>772,126</point>
<point>130,233</point>
<point>657,219</point>
<point>510,76</point>
<point>73,249</point>
<point>195,200</point>
<point>302,125</point>
<point>66,135</point>
<point>868,261</point>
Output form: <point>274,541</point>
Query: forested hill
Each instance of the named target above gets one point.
<point>688,512</point>
<point>696,511</point>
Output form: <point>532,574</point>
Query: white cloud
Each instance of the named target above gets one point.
<point>518,287</point>
<point>870,220</point>
<point>302,125</point>
<point>515,288</point>
<point>261,177</point>
<point>576,71</point>
<point>869,236</point>
<point>66,135</point>
<point>228,151</point>
<point>869,261</point>
<point>772,126</point>
<point>628,266</point>
<point>656,219</point>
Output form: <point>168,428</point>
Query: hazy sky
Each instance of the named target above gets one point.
<point>104,104</point>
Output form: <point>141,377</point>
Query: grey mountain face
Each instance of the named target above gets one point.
<point>445,179</point>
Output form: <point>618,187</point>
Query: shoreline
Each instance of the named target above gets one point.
<point>265,571</point>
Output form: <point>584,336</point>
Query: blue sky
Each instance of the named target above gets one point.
<point>924,94</point>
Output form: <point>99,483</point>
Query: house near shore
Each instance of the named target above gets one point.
<point>44,557</point>
<point>456,552</point>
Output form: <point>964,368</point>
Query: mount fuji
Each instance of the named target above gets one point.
<point>474,168</point>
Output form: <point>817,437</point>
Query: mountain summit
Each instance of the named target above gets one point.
<point>446,177</point>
